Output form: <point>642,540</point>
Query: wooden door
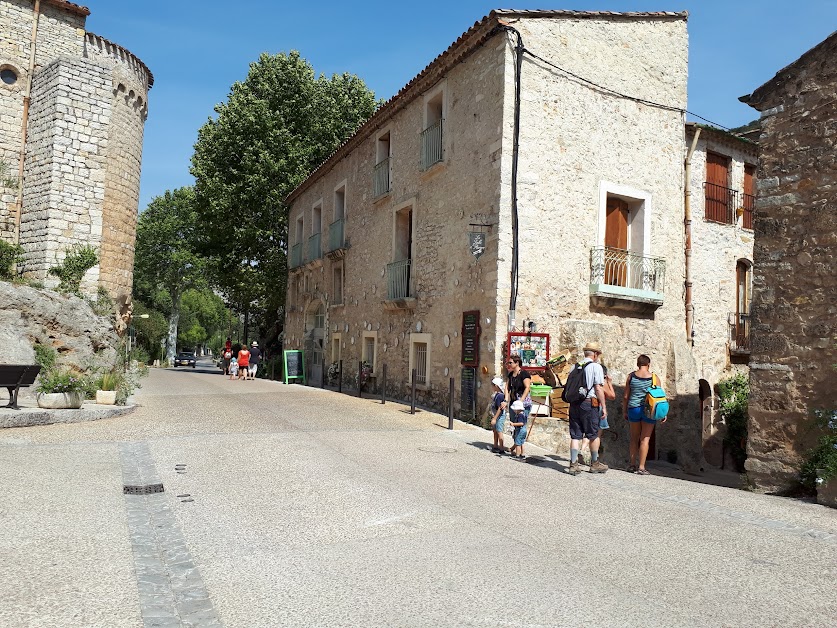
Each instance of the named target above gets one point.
<point>616,242</point>
<point>749,195</point>
<point>717,189</point>
<point>742,303</point>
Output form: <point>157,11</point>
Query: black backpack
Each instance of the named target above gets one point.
<point>575,389</point>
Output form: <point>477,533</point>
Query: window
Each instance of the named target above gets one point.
<point>740,320</point>
<point>749,203</point>
<point>299,238</point>
<point>720,201</point>
<point>336,352</point>
<point>314,242</point>
<point>368,350</point>
<point>420,358</point>
<point>432,145</point>
<point>382,172</point>
<point>8,76</point>
<point>337,227</point>
<point>399,272</point>
<point>337,284</point>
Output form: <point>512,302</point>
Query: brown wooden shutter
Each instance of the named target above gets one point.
<point>616,242</point>
<point>717,189</point>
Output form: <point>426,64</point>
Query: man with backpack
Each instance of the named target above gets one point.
<point>584,391</point>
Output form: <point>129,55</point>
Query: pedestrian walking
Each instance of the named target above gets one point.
<point>233,368</point>
<point>498,418</point>
<point>243,362</point>
<point>518,384</point>
<point>255,359</point>
<point>641,426</point>
<point>226,357</point>
<point>610,394</point>
<point>518,420</point>
<point>585,417</point>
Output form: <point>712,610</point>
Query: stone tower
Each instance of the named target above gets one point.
<point>72,110</point>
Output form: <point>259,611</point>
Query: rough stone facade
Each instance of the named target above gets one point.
<point>795,282</point>
<point>83,148</point>
<point>580,147</point>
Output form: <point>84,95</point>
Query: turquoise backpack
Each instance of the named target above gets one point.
<point>655,404</point>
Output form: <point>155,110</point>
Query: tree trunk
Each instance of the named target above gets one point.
<point>174,319</point>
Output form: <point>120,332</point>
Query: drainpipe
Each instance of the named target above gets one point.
<point>25,121</point>
<point>687,211</point>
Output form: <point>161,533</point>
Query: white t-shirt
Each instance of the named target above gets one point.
<point>594,375</point>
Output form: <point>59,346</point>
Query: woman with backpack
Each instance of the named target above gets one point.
<point>641,426</point>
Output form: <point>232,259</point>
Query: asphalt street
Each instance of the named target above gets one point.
<point>293,506</point>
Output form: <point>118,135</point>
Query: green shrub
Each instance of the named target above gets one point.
<point>46,357</point>
<point>734,396</point>
<point>109,381</point>
<point>821,462</point>
<point>10,254</point>
<point>103,305</point>
<point>63,381</point>
<point>79,259</point>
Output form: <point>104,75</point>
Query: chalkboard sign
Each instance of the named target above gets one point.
<point>294,366</point>
<point>467,394</point>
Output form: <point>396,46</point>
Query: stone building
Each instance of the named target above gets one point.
<point>795,278</point>
<point>443,224</point>
<point>72,110</point>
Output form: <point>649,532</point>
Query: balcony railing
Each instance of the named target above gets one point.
<point>398,279</point>
<point>624,269</point>
<point>739,332</point>
<point>296,255</point>
<point>380,178</point>
<point>335,235</point>
<point>431,145</point>
<point>314,248</point>
<point>721,203</point>
<point>749,205</point>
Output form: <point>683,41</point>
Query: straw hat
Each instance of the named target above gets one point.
<point>593,346</point>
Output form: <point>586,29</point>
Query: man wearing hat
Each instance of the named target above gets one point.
<point>586,416</point>
<point>255,359</point>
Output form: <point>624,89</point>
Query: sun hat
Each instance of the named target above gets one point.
<point>593,346</point>
<point>255,344</point>
<point>498,382</point>
<point>517,406</point>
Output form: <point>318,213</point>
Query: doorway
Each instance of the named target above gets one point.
<point>616,242</point>
<point>315,340</point>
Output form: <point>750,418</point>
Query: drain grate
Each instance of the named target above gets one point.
<point>145,489</point>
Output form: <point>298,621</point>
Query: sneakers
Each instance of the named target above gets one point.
<point>574,469</point>
<point>598,467</point>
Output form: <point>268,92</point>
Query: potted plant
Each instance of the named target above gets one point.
<point>108,384</point>
<point>61,389</point>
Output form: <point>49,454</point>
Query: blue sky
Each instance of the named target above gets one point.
<point>196,49</point>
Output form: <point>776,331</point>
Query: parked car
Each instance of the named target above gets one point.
<point>185,359</point>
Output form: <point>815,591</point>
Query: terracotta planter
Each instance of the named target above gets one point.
<point>60,401</point>
<point>106,397</point>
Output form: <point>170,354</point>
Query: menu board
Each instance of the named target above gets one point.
<point>533,349</point>
<point>467,394</point>
<point>471,338</point>
<point>294,366</point>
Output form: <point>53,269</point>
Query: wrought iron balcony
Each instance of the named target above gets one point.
<point>721,203</point>
<point>431,145</point>
<point>398,279</point>
<point>296,255</point>
<point>335,235</point>
<point>622,274</point>
<point>380,178</point>
<point>749,205</point>
<point>314,248</point>
<point>739,333</point>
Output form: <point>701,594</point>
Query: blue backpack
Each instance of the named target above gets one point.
<point>655,404</point>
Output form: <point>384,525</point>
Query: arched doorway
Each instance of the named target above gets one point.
<point>712,449</point>
<point>314,341</point>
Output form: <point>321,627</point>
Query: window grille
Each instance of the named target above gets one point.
<point>420,362</point>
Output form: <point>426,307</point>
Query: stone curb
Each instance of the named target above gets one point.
<point>27,417</point>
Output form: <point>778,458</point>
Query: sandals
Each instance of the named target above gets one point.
<point>632,468</point>
<point>642,472</point>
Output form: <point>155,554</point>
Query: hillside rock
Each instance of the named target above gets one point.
<point>30,316</point>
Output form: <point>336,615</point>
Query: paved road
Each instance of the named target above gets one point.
<point>309,508</point>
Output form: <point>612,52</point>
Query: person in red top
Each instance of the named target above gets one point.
<point>243,363</point>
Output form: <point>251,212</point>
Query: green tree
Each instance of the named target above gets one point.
<point>165,252</point>
<point>203,316</point>
<point>276,126</point>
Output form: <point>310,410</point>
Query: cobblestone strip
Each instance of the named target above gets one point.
<point>171,590</point>
<point>728,513</point>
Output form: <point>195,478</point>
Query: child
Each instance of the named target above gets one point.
<point>518,421</point>
<point>498,421</point>
<point>233,368</point>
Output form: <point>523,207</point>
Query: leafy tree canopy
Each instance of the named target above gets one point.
<point>276,126</point>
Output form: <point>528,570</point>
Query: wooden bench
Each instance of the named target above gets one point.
<point>13,376</point>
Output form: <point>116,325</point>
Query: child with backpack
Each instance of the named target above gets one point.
<point>637,387</point>
<point>498,419</point>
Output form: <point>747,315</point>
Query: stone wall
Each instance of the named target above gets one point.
<point>794,310</point>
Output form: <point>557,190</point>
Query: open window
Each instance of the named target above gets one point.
<point>336,230</point>
<point>382,173</point>
<point>432,137</point>
<point>399,271</point>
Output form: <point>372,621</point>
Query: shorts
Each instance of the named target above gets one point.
<point>253,369</point>
<point>501,423</point>
<point>584,421</point>
<point>637,415</point>
<point>519,435</point>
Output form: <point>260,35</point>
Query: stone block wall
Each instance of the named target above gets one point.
<point>794,308</point>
